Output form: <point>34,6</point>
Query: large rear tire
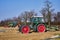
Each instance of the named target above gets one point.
<point>25,29</point>
<point>41,28</point>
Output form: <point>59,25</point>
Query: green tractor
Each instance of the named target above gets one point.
<point>36,24</point>
<point>12,24</point>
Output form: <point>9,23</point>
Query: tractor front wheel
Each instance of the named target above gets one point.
<point>25,29</point>
<point>41,28</point>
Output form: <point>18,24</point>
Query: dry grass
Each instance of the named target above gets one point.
<point>13,34</point>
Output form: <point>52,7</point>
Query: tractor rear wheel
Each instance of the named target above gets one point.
<point>25,29</point>
<point>41,28</point>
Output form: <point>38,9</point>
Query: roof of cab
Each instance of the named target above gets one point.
<point>37,16</point>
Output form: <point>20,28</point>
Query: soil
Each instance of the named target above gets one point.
<point>14,34</point>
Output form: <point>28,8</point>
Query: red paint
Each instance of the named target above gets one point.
<point>41,28</point>
<point>25,29</point>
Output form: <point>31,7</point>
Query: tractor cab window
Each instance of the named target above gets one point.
<point>37,19</point>
<point>33,19</point>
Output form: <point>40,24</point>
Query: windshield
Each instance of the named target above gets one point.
<point>37,19</point>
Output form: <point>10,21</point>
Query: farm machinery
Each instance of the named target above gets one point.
<point>36,24</point>
<point>12,24</point>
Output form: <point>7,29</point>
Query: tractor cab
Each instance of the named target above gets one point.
<point>37,23</point>
<point>37,19</point>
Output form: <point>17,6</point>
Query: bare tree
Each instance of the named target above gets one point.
<point>57,17</point>
<point>43,12</point>
<point>27,15</point>
<point>49,11</point>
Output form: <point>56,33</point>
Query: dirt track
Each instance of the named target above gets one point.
<point>13,34</point>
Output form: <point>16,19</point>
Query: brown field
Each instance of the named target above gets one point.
<point>14,34</point>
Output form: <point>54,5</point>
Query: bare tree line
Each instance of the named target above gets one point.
<point>47,13</point>
<point>23,17</point>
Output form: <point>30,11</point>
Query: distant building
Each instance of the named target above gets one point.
<point>58,16</point>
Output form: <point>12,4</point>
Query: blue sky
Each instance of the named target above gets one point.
<point>12,8</point>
